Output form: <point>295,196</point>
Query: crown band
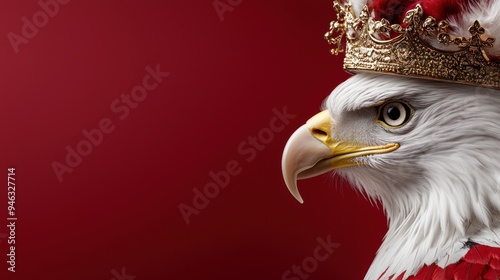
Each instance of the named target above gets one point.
<point>407,53</point>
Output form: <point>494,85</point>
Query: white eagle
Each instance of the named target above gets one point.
<point>429,151</point>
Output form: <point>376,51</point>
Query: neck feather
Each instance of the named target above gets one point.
<point>432,225</point>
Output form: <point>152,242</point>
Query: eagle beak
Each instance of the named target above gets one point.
<point>311,151</point>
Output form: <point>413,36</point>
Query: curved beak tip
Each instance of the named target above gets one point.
<point>291,183</point>
<point>292,187</point>
<point>299,199</point>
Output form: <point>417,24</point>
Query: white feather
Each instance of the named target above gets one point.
<point>442,186</point>
<point>487,13</point>
<point>357,5</point>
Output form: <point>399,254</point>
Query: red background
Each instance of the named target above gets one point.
<point>119,207</point>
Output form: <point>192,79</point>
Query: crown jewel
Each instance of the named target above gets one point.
<point>404,49</point>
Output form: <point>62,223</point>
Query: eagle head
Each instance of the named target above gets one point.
<point>428,151</point>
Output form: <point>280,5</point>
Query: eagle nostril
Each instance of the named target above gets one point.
<point>319,126</point>
<point>319,133</point>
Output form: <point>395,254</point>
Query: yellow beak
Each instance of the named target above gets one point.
<point>311,151</point>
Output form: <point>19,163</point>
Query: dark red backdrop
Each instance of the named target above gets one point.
<point>119,206</point>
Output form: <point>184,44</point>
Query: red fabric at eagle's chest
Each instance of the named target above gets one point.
<point>481,262</point>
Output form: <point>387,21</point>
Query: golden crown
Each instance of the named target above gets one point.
<point>379,46</point>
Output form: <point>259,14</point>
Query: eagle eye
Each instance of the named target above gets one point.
<point>394,114</point>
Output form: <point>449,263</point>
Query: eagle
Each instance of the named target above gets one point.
<point>426,147</point>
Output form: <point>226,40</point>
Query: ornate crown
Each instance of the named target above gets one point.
<point>404,49</point>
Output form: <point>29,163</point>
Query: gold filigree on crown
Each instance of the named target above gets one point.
<point>379,46</point>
